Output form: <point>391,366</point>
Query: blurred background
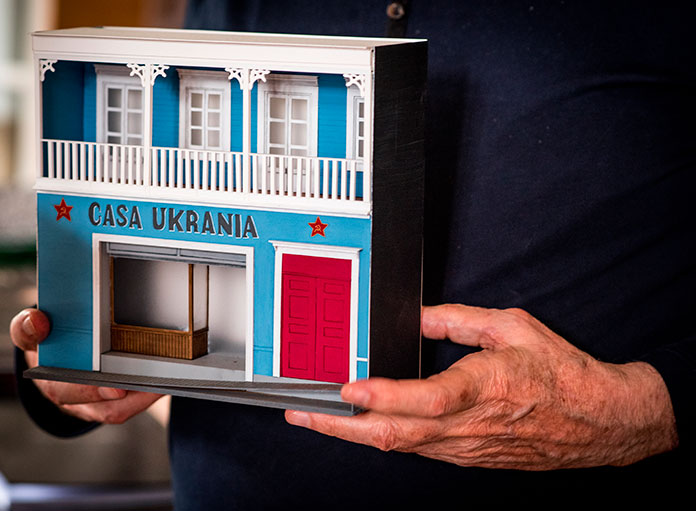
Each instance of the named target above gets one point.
<point>114,467</point>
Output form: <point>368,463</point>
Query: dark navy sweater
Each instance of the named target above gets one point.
<point>561,162</point>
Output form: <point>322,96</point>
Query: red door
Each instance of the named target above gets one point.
<point>315,318</point>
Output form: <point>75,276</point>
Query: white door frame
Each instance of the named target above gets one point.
<point>351,254</point>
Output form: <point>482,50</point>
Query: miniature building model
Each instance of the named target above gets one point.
<point>238,209</point>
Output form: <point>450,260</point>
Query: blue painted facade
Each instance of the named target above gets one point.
<point>165,108</point>
<point>63,102</point>
<point>65,265</point>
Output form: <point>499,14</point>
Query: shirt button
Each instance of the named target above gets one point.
<point>395,11</point>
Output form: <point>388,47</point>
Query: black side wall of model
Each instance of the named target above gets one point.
<point>397,198</point>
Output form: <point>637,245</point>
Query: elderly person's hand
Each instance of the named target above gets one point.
<point>528,400</point>
<point>100,404</point>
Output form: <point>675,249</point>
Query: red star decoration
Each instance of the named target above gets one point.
<point>63,210</point>
<point>318,227</point>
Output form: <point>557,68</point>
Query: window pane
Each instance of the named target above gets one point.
<point>361,109</point>
<point>213,139</point>
<point>196,137</point>
<point>276,150</point>
<point>135,99</point>
<point>135,123</point>
<point>361,144</point>
<point>298,152</point>
<point>113,139</point>
<point>277,133</point>
<point>135,141</point>
<point>196,100</point>
<point>213,119</point>
<point>299,135</point>
<point>214,101</point>
<point>361,129</point>
<point>277,108</point>
<point>299,109</point>
<point>197,119</point>
<point>114,121</point>
<point>114,98</point>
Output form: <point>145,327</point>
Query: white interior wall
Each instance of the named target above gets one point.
<point>227,320</point>
<point>155,294</point>
<point>151,293</point>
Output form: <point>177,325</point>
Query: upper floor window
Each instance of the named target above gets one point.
<point>355,124</point>
<point>287,113</point>
<point>119,106</point>
<point>204,109</point>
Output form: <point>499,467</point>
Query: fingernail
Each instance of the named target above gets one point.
<point>109,393</point>
<point>298,419</point>
<point>28,327</point>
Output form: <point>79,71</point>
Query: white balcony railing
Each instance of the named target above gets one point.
<point>278,178</point>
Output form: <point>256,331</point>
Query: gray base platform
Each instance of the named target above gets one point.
<point>308,397</point>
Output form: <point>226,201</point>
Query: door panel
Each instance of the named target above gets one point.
<point>298,327</point>
<point>333,327</point>
<point>315,329</point>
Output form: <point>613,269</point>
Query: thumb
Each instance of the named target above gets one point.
<point>447,392</point>
<point>29,328</point>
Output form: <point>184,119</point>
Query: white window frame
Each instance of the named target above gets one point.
<point>353,100</point>
<point>116,75</point>
<point>297,85</point>
<point>207,81</point>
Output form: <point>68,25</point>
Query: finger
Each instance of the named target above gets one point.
<point>32,358</point>
<point>370,428</point>
<point>62,393</point>
<point>434,438</point>
<point>114,411</point>
<point>462,324</point>
<point>450,391</point>
<point>29,328</point>
<point>471,326</point>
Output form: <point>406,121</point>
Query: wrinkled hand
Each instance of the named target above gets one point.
<point>529,400</point>
<point>100,404</point>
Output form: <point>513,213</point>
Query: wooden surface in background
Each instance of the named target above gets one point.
<point>143,13</point>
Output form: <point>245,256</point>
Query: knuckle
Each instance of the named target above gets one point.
<point>52,392</point>
<point>386,436</point>
<point>520,313</point>
<point>117,419</point>
<point>22,343</point>
<point>19,333</point>
<point>439,403</point>
<point>522,319</point>
<point>113,416</point>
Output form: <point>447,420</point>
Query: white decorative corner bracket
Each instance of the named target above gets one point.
<point>148,74</point>
<point>356,79</point>
<point>246,77</point>
<point>45,65</point>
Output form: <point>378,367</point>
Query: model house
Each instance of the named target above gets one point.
<point>229,208</point>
